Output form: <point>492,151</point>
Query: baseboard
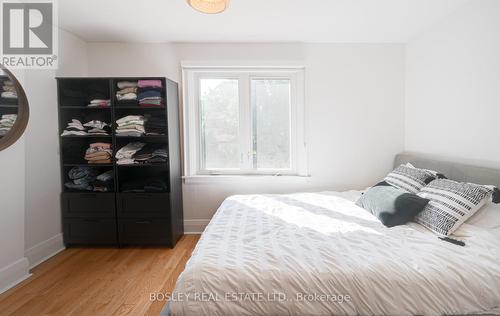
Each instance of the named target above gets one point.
<point>13,274</point>
<point>195,226</point>
<point>44,250</point>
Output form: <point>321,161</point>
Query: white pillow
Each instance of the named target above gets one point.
<point>487,217</point>
<point>409,179</point>
<point>451,204</point>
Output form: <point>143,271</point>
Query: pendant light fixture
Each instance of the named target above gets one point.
<point>209,6</point>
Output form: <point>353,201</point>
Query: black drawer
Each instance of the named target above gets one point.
<point>142,231</point>
<point>79,205</point>
<point>95,231</point>
<point>139,205</point>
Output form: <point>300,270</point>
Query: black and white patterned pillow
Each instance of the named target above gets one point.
<point>451,204</point>
<point>410,179</point>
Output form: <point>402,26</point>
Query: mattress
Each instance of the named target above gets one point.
<point>320,254</point>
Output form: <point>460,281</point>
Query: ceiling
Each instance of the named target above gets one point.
<point>156,21</point>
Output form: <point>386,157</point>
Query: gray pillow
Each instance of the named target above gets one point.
<point>392,206</point>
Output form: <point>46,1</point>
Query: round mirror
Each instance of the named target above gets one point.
<point>14,109</point>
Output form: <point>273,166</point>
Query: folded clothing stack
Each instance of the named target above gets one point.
<point>75,127</point>
<point>81,178</point>
<point>130,125</point>
<point>89,179</point>
<point>124,155</point>
<point>140,153</point>
<point>150,93</point>
<point>99,153</point>
<point>97,127</point>
<point>103,182</point>
<point>8,90</point>
<point>99,103</point>
<point>6,123</point>
<point>151,154</point>
<point>127,92</point>
<point>94,127</point>
<point>144,185</point>
<point>155,124</point>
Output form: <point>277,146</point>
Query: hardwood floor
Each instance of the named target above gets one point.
<point>100,281</point>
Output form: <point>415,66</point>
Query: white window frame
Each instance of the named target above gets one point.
<point>191,76</point>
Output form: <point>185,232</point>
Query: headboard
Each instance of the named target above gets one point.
<point>463,171</point>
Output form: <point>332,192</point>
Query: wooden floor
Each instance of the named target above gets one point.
<point>99,281</point>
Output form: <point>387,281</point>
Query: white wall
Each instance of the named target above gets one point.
<point>13,264</point>
<point>30,218</point>
<point>122,59</point>
<point>453,85</point>
<point>43,186</point>
<point>354,109</point>
<point>73,55</point>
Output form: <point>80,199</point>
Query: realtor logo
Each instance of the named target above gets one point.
<point>29,34</point>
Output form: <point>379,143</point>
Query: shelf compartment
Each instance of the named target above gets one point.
<point>73,149</point>
<point>84,117</point>
<point>134,104</point>
<point>134,178</point>
<point>99,170</point>
<point>79,91</point>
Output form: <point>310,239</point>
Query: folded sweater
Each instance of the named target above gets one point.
<point>126,84</point>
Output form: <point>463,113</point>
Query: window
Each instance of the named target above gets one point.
<point>244,121</point>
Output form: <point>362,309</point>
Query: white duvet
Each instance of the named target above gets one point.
<point>320,254</point>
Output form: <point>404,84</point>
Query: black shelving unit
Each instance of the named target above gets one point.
<point>118,217</point>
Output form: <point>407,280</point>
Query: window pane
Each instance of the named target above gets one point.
<point>271,123</point>
<point>220,123</point>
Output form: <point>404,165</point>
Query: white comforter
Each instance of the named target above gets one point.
<point>260,252</point>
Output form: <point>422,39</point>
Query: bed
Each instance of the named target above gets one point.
<point>320,254</point>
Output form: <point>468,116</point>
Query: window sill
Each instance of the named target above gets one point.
<point>244,178</point>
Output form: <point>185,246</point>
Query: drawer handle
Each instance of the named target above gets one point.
<point>143,222</point>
